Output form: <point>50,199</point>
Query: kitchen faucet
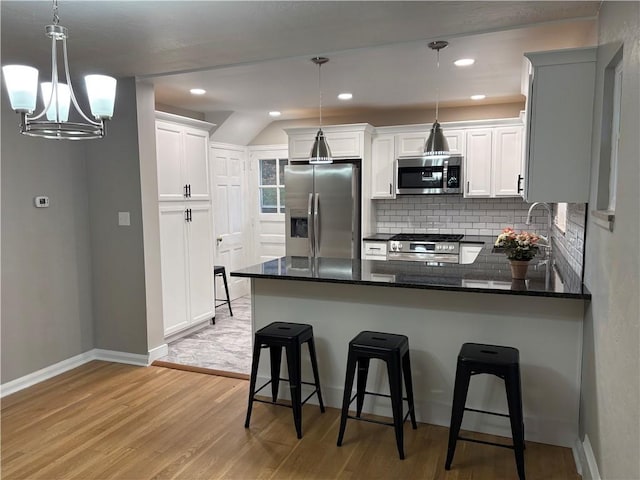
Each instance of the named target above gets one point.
<point>549,223</point>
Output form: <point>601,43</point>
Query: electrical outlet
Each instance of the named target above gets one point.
<point>41,202</point>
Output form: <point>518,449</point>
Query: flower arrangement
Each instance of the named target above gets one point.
<point>518,246</point>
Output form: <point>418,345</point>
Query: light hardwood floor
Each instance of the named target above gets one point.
<point>106,420</point>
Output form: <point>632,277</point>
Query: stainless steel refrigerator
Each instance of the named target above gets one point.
<point>322,208</point>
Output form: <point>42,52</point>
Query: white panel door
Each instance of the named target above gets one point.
<point>169,154</point>
<point>196,145</point>
<point>173,254</point>
<point>200,263</point>
<point>477,173</point>
<point>230,203</point>
<point>507,160</point>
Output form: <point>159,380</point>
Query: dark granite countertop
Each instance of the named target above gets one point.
<point>490,273</point>
<point>379,237</point>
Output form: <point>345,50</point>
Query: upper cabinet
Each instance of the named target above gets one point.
<point>181,150</point>
<point>559,121</point>
<point>492,151</point>
<point>345,141</point>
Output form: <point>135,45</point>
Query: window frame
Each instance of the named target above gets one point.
<point>279,185</point>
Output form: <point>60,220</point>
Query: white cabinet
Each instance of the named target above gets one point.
<point>493,161</point>
<point>477,162</point>
<point>345,141</point>
<point>411,144</point>
<point>181,153</point>
<point>186,252</point>
<point>374,250</point>
<point>559,120</point>
<point>383,167</point>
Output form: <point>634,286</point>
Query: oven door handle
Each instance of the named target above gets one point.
<point>445,176</point>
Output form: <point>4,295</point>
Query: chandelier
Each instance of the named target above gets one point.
<point>53,120</point>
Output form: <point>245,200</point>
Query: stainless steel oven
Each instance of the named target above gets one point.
<point>429,175</point>
<point>442,248</point>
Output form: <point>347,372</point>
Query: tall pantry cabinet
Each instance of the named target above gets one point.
<point>186,231</point>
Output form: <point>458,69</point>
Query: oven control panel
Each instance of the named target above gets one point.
<point>423,247</point>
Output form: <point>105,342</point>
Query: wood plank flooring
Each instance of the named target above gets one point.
<point>113,421</point>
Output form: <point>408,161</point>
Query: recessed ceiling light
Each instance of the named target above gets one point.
<point>464,62</point>
<point>197,91</point>
<point>275,113</point>
<point>478,97</point>
<point>345,96</point>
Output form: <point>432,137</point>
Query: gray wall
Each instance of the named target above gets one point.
<point>610,406</point>
<point>117,252</point>
<point>46,253</point>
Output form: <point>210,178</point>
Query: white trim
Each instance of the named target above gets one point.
<point>228,146</point>
<point>425,127</point>
<point>585,459</point>
<point>269,148</point>
<point>46,373</point>
<point>192,122</point>
<point>158,352</point>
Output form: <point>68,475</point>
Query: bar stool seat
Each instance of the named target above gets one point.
<point>219,271</point>
<point>290,336</point>
<point>504,362</point>
<point>394,350</point>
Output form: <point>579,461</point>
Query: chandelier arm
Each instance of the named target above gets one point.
<point>71,94</point>
<point>54,82</point>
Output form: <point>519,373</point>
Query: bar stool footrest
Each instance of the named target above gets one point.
<point>485,442</point>
<point>485,411</point>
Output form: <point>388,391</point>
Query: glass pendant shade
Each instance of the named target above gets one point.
<point>22,87</point>
<point>62,99</point>
<point>436,145</point>
<point>101,90</point>
<point>320,152</point>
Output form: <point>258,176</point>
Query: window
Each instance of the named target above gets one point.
<point>561,217</point>
<point>271,185</point>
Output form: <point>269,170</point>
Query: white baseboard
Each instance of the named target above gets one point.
<point>70,363</point>
<point>158,352</point>
<point>586,460</point>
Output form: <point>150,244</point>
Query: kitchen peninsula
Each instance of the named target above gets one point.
<point>439,307</point>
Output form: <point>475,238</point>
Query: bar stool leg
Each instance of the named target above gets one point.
<point>316,376</point>
<point>514,401</point>
<point>408,384</point>
<point>226,289</point>
<point>463,375</point>
<point>276,358</point>
<point>348,385</point>
<point>395,387</point>
<point>293,363</point>
<point>252,383</point>
<point>361,383</point>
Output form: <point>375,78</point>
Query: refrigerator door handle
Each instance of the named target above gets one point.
<point>310,233</point>
<point>316,224</point>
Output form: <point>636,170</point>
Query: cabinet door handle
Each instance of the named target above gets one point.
<point>390,189</point>
<point>520,178</point>
<point>189,190</point>
<point>468,186</point>
<point>186,191</point>
<point>186,215</point>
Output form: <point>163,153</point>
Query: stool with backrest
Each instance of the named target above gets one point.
<point>394,351</point>
<point>219,271</point>
<point>504,362</point>
<point>290,336</point>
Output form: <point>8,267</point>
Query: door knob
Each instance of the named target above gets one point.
<point>219,239</point>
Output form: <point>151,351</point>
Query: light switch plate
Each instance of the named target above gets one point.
<point>124,219</point>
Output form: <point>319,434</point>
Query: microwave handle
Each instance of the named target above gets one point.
<point>445,176</point>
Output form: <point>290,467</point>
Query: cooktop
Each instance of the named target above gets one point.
<point>426,237</point>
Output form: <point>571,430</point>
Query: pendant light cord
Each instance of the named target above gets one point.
<point>437,82</point>
<point>320,90</point>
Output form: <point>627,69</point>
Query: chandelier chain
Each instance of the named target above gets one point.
<point>56,17</point>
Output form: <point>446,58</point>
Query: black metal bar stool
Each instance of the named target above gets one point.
<point>291,336</point>
<point>394,350</point>
<point>219,271</point>
<point>504,362</point>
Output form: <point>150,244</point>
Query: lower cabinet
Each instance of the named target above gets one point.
<point>374,250</point>
<point>187,265</point>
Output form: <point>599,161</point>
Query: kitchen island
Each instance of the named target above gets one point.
<point>439,307</point>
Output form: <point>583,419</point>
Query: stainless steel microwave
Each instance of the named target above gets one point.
<point>429,175</point>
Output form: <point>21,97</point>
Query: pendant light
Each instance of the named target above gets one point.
<point>320,152</point>
<point>437,145</point>
<point>22,87</point>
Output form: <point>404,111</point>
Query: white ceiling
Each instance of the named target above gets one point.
<point>252,57</point>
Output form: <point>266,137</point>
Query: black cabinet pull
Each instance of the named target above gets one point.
<point>189,190</point>
<point>186,215</point>
<point>190,216</point>
<point>186,191</point>
<point>520,178</point>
